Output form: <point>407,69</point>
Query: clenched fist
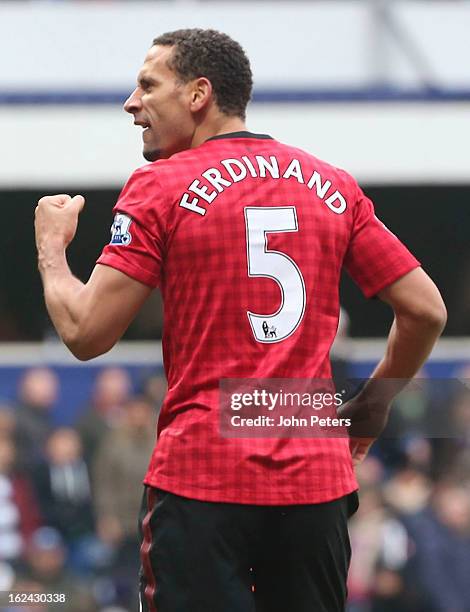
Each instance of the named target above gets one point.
<point>57,219</point>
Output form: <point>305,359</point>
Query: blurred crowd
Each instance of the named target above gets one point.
<point>411,534</point>
<point>70,498</point>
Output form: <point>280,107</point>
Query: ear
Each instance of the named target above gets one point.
<point>201,94</point>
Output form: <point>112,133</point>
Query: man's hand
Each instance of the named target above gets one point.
<point>368,419</point>
<point>359,448</point>
<point>90,318</point>
<point>56,220</point>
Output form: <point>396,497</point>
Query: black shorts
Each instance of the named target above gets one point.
<point>218,557</point>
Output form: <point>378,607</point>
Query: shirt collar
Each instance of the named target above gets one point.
<point>241,135</point>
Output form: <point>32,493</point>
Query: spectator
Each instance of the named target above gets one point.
<point>380,547</point>
<point>19,515</point>
<point>408,491</point>
<point>38,392</point>
<point>389,593</point>
<point>45,571</point>
<point>442,550</point>
<point>119,468</point>
<point>63,486</point>
<point>453,450</point>
<point>111,391</point>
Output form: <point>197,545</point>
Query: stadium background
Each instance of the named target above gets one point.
<point>381,88</point>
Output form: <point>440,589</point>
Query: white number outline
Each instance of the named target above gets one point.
<point>292,262</point>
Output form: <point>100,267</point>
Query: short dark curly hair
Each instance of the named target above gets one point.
<point>217,57</point>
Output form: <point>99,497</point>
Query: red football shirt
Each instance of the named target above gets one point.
<point>246,238</point>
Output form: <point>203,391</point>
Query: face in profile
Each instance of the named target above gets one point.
<point>160,104</point>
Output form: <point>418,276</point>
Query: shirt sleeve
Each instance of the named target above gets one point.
<point>138,230</point>
<point>375,257</point>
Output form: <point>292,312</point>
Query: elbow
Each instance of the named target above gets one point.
<point>85,348</point>
<point>417,304</point>
<point>82,354</point>
<point>434,314</point>
<point>81,351</point>
<point>438,317</point>
<point>431,316</point>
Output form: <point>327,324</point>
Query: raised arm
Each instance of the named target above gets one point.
<point>90,318</point>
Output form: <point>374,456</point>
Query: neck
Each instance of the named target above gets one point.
<point>223,125</point>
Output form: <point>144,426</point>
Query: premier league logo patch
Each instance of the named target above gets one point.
<point>120,230</point>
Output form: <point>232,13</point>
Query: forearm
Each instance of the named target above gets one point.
<point>420,317</point>
<point>90,318</point>
<point>63,294</point>
<point>410,343</point>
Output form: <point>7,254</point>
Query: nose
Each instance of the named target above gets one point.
<point>133,102</point>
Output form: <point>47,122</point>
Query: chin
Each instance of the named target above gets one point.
<point>152,156</point>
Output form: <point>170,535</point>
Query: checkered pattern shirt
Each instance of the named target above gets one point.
<point>202,226</point>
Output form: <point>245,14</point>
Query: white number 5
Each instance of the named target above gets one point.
<point>278,266</point>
